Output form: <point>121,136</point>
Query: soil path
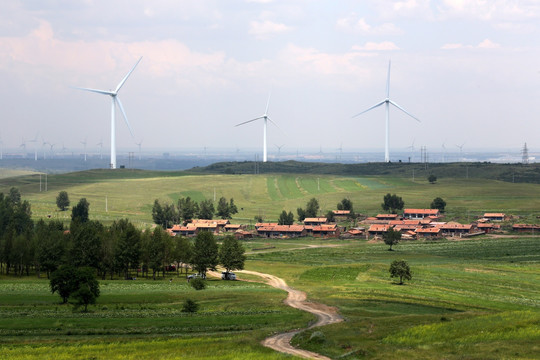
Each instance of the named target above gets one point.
<point>297,299</point>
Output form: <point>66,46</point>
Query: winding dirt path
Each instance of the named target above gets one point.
<point>297,299</point>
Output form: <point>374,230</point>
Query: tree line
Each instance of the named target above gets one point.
<point>187,209</point>
<point>117,250</point>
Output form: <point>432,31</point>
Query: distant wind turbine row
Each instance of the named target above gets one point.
<point>115,101</point>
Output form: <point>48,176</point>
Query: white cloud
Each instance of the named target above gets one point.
<point>504,10</point>
<point>485,44</point>
<point>263,29</point>
<point>373,46</point>
<point>354,24</point>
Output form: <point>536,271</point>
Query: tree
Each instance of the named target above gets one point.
<point>86,241</point>
<point>190,306</point>
<point>79,213</point>
<point>183,250</point>
<point>223,210</point>
<point>231,254</point>
<point>87,287</point>
<point>391,237</point>
<point>63,282</point>
<point>187,208</point>
<point>206,210</point>
<point>286,218</point>
<point>62,200</point>
<point>312,208</point>
<point>205,253</point>
<point>14,196</point>
<point>51,245</point>
<point>164,215</point>
<point>301,214</point>
<point>392,203</point>
<point>438,203</point>
<point>400,268</point>
<point>128,241</point>
<point>330,217</point>
<point>432,179</point>
<point>345,204</point>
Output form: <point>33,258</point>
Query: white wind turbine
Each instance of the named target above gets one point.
<point>100,143</point>
<point>387,102</point>
<point>139,145</point>
<point>115,100</point>
<point>265,117</point>
<point>461,151</point>
<point>84,143</point>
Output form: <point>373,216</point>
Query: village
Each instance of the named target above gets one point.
<point>413,224</point>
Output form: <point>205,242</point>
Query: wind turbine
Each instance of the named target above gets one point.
<point>100,143</point>
<point>34,140</point>
<point>139,145</point>
<point>43,146</point>
<point>84,143</point>
<point>387,102</point>
<point>279,150</point>
<point>115,100</point>
<point>444,152</point>
<point>461,151</point>
<point>266,118</point>
<point>23,145</point>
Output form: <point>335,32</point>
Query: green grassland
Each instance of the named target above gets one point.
<point>473,299</point>
<point>131,193</point>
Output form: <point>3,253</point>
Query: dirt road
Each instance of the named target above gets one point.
<point>297,299</point>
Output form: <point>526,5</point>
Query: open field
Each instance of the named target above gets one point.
<point>130,193</point>
<point>473,299</point>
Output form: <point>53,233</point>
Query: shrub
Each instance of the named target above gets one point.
<point>198,283</point>
<point>190,306</point>
<point>317,337</point>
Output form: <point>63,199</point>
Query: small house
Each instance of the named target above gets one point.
<point>421,213</point>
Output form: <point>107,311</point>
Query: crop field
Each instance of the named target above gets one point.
<point>130,194</point>
<point>472,299</point>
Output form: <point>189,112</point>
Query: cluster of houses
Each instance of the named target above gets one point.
<point>413,224</point>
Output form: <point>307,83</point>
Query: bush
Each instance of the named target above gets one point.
<point>317,337</point>
<point>190,306</point>
<point>198,283</point>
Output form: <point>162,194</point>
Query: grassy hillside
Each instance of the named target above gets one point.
<point>474,299</point>
<point>130,193</point>
<point>479,170</point>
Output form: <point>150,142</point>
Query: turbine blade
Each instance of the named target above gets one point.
<point>267,103</point>
<point>103,92</point>
<point>245,122</point>
<point>388,81</point>
<point>405,111</point>
<point>276,125</point>
<point>117,99</point>
<point>371,108</point>
<point>126,77</point>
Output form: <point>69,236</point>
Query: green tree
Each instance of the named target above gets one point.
<point>51,245</point>
<point>438,203</point>
<point>183,251</point>
<point>62,200</point>
<point>330,217</point>
<point>400,268</point>
<point>128,242</point>
<point>190,306</point>
<point>231,254</point>
<point>79,213</point>
<point>187,208</point>
<point>391,237</point>
<point>206,210</point>
<point>87,287</point>
<point>312,208</point>
<point>432,179</point>
<point>164,215</point>
<point>14,196</point>
<point>157,251</point>
<point>301,214</point>
<point>63,281</point>
<point>205,253</point>
<point>286,218</point>
<point>392,203</point>
<point>86,249</point>
<point>346,204</point>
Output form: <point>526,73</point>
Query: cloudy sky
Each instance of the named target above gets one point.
<point>468,69</point>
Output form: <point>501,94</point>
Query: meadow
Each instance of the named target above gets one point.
<point>131,193</point>
<point>473,299</point>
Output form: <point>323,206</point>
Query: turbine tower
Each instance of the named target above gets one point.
<point>115,100</point>
<point>387,103</point>
<point>265,117</point>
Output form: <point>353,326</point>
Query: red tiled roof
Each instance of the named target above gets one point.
<point>428,230</point>
<point>317,219</point>
<point>488,215</point>
<point>341,212</point>
<point>421,211</point>
<point>379,227</point>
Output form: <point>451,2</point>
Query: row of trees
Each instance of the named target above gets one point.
<point>393,203</point>
<point>118,249</point>
<point>187,209</point>
<point>312,210</point>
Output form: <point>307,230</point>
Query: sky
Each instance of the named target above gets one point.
<point>468,70</point>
